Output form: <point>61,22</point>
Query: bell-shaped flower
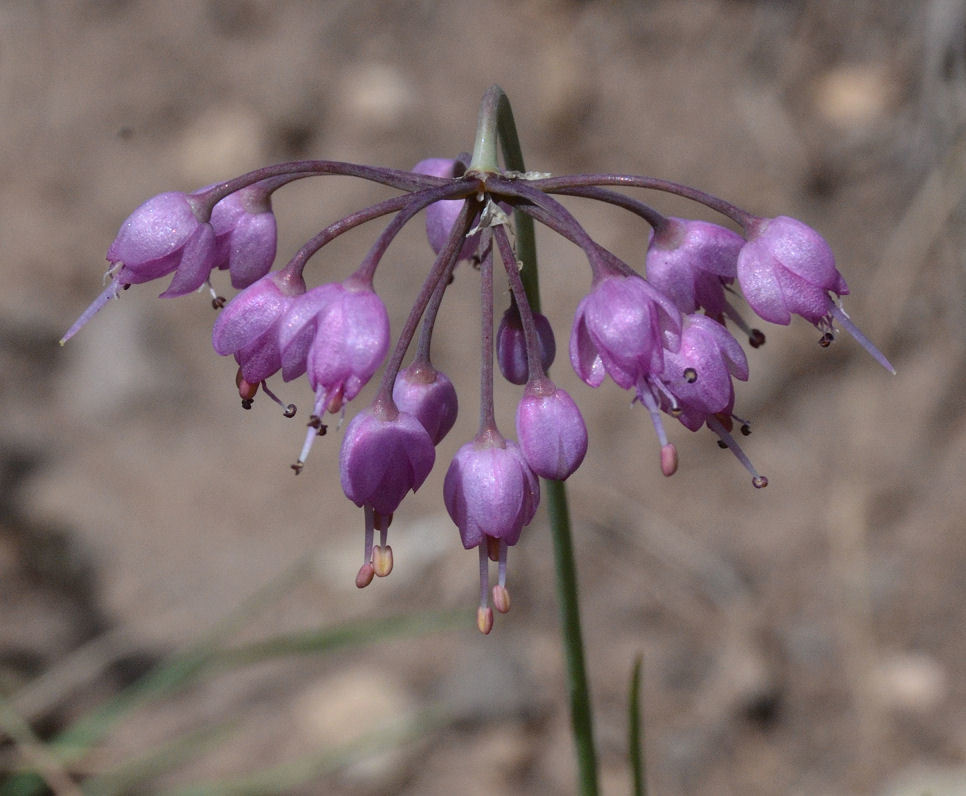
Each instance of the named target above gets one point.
<point>691,261</point>
<point>351,340</point>
<point>385,454</point>
<point>163,235</point>
<point>245,235</point>
<point>621,329</point>
<point>490,490</point>
<point>697,377</point>
<point>248,326</point>
<point>511,347</point>
<point>298,327</point>
<point>786,268</point>
<point>429,396</point>
<point>551,430</point>
<point>491,493</point>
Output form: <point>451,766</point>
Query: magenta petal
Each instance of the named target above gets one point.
<point>760,285</point>
<point>252,249</point>
<point>157,229</point>
<point>196,263</point>
<point>382,459</point>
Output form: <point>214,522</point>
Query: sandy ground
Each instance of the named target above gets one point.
<point>808,638</point>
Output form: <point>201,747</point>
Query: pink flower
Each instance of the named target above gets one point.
<point>248,326</point>
<point>245,235</point>
<point>385,454</point>
<point>787,268</point>
<point>691,261</point>
<point>621,329</point>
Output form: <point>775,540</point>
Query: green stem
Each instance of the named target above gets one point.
<point>581,717</point>
<point>496,122</point>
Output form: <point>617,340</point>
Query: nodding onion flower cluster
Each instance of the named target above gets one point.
<point>663,334</point>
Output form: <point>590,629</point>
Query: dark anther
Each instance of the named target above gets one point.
<point>218,302</point>
<point>247,403</point>
<point>826,340</point>
<point>745,429</point>
<point>297,467</point>
<point>127,286</point>
<point>322,429</point>
<point>314,422</point>
<point>290,410</point>
<point>722,444</point>
<point>757,338</point>
<point>759,482</point>
<point>690,375</point>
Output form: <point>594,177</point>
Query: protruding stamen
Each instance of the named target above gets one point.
<point>246,389</point>
<point>484,619</point>
<point>756,338</point>
<point>288,410</point>
<point>382,560</point>
<point>370,518</point>
<point>826,340</point>
<point>647,398</point>
<point>501,599</point>
<point>846,323</point>
<point>365,575</point>
<point>669,459</point>
<point>484,616</point>
<point>316,428</point>
<point>757,480</point>
<point>110,292</point>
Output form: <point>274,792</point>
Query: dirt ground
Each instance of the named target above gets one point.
<point>809,638</point>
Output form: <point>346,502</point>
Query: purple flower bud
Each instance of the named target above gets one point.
<point>691,261</point>
<point>442,215</point>
<point>248,326</point>
<point>245,235</point>
<point>787,268</point>
<point>163,235</point>
<point>385,454</point>
<point>511,347</point>
<point>551,430</point>
<point>621,329</point>
<point>490,491</point>
<point>426,394</point>
<point>698,375</point>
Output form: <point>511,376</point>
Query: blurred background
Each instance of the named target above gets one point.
<point>808,638</point>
